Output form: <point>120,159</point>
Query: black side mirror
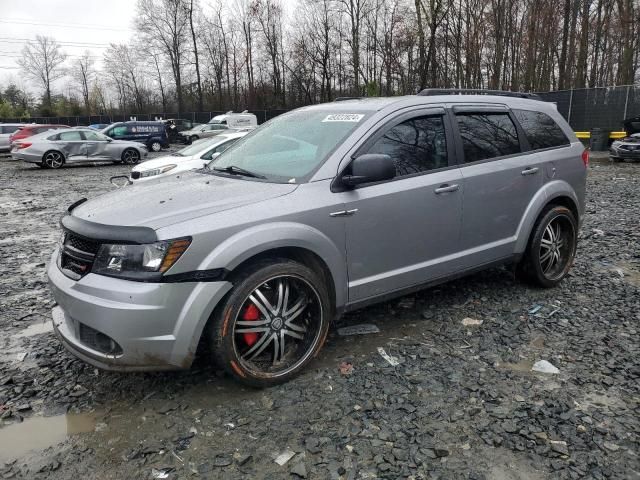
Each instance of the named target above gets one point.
<point>370,167</point>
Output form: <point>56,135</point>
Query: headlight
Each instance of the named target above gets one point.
<point>156,171</point>
<point>139,262</point>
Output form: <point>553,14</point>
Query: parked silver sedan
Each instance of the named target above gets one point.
<point>55,148</point>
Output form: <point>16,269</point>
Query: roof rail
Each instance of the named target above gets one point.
<point>342,99</point>
<point>473,91</point>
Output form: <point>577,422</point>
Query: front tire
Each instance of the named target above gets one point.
<point>53,159</point>
<point>552,247</point>
<point>130,156</point>
<point>272,323</point>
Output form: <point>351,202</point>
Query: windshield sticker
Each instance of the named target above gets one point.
<point>343,117</point>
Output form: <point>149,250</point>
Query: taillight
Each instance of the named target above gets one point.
<point>22,145</point>
<point>585,157</point>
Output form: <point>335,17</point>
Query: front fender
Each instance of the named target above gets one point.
<point>261,238</point>
<point>551,190</point>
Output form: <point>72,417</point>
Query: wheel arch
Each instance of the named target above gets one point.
<point>557,192</point>
<point>298,242</point>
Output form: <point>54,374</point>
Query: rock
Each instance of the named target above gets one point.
<point>299,469</point>
<point>542,366</point>
<point>78,391</point>
<point>360,329</point>
<point>168,407</point>
<point>284,457</point>
<point>441,452</point>
<point>612,447</point>
<point>23,407</point>
<point>471,322</point>
<point>222,460</point>
<point>559,446</point>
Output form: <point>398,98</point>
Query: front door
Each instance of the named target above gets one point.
<point>500,180</point>
<point>96,145</point>
<point>405,231</point>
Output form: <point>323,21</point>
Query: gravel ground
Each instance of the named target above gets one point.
<point>462,403</point>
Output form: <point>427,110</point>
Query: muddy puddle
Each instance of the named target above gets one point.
<point>35,329</point>
<point>12,349</point>
<point>625,271</point>
<point>38,433</point>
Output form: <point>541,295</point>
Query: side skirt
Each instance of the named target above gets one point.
<point>422,286</point>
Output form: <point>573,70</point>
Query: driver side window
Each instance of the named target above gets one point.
<point>416,145</point>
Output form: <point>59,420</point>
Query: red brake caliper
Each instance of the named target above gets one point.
<point>251,313</point>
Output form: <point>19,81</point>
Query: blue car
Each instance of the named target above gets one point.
<point>152,134</point>
<point>99,126</point>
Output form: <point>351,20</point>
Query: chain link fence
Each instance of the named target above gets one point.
<point>584,109</point>
<point>197,117</point>
<point>605,107</point>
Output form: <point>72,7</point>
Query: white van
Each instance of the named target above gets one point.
<point>236,120</point>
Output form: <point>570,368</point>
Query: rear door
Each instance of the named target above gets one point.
<point>501,176</point>
<point>72,145</point>
<point>404,232</point>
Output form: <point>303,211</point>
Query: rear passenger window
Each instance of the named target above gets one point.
<point>69,136</point>
<point>415,145</point>
<point>540,129</point>
<point>487,135</point>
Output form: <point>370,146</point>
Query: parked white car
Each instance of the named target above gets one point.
<point>193,157</point>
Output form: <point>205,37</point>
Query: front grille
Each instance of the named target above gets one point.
<point>135,175</point>
<point>631,148</point>
<point>77,255</point>
<point>99,341</point>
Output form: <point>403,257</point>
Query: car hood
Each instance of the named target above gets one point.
<point>161,162</point>
<point>176,199</point>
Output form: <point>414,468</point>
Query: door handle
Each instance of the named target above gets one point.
<point>446,188</point>
<point>530,171</point>
<point>344,213</point>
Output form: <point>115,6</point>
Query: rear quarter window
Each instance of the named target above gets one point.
<point>541,130</point>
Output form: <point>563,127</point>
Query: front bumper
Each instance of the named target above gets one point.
<point>156,325</point>
<point>625,154</point>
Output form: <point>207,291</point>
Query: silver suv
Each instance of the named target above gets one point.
<point>322,210</point>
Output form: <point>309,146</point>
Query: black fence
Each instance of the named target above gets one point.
<point>604,107</point>
<point>197,117</point>
<point>584,109</point>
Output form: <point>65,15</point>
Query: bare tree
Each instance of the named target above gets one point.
<point>195,54</point>
<point>42,60</point>
<point>83,73</point>
<point>164,23</point>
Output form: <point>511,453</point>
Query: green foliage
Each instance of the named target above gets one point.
<point>372,89</point>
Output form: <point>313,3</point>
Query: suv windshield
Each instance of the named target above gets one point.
<point>291,146</point>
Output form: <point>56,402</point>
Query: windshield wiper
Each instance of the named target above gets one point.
<point>238,171</point>
<point>177,154</point>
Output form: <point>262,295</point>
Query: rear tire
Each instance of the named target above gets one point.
<point>53,159</point>
<point>551,248</point>
<point>155,146</point>
<point>272,323</point>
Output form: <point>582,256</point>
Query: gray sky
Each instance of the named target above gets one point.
<point>78,25</point>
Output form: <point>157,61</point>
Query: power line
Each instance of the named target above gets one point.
<point>65,43</point>
<point>64,25</point>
